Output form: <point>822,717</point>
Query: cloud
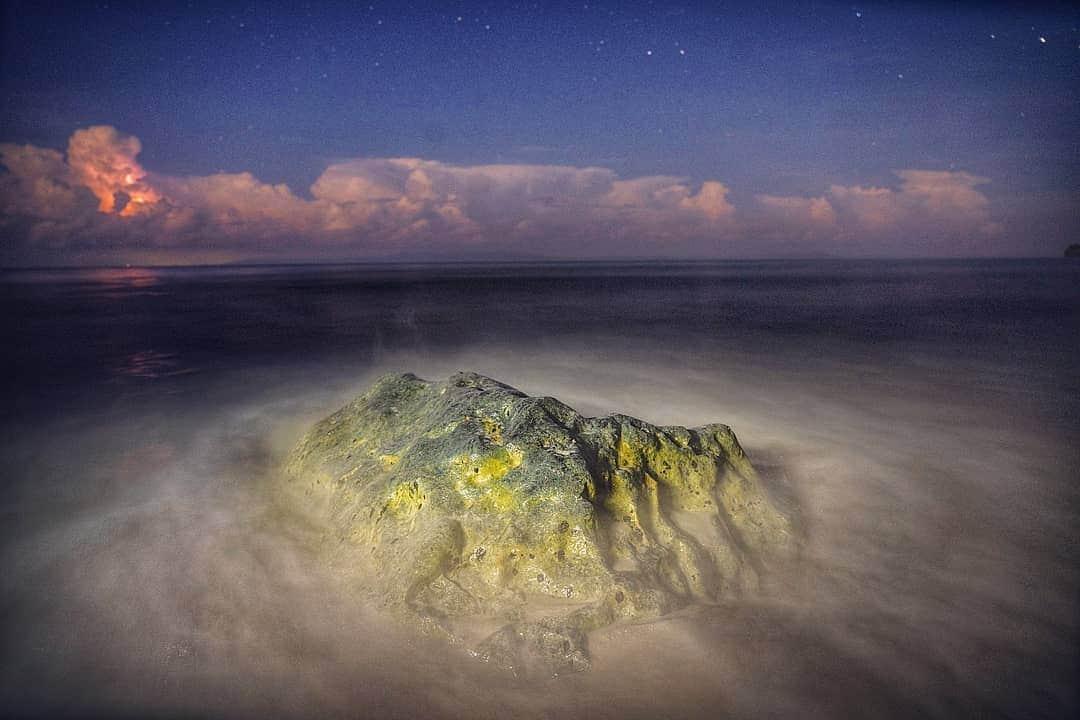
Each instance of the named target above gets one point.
<point>801,210</point>
<point>932,212</point>
<point>39,184</point>
<point>104,161</point>
<point>512,202</point>
<point>236,204</point>
<point>806,212</point>
<point>711,201</point>
<point>99,199</point>
<point>946,200</point>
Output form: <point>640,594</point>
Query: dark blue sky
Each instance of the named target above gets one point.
<point>769,98</point>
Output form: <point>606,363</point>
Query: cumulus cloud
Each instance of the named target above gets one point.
<point>237,203</point>
<point>104,161</point>
<point>479,202</point>
<point>801,210</point>
<point>931,212</point>
<point>99,197</point>
<point>39,184</point>
<point>950,199</point>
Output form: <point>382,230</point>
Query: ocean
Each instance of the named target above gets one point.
<point>918,419</point>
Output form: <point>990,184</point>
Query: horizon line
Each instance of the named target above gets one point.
<point>545,261</point>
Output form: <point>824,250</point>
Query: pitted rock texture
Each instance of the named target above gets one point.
<point>469,499</point>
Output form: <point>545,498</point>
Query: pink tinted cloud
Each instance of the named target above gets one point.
<point>39,184</point>
<point>932,212</point>
<point>949,200</point>
<point>808,211</point>
<point>100,197</point>
<point>104,161</point>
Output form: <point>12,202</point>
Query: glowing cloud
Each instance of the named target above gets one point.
<point>104,161</point>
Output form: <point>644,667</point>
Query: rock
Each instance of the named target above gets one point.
<point>468,499</point>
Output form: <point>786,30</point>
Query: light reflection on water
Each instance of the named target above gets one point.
<point>150,364</point>
<point>124,278</point>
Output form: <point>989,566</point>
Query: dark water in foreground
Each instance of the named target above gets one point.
<point>920,418</point>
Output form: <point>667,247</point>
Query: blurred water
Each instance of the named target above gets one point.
<point>919,418</point>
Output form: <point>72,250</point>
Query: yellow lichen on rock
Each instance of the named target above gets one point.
<point>493,429</point>
<point>487,467</point>
<point>473,499</point>
<point>406,500</point>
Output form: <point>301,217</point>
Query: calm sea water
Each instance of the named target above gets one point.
<point>920,419</point>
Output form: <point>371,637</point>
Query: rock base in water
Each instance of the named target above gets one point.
<point>468,499</point>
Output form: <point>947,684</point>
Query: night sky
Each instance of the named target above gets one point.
<point>189,133</point>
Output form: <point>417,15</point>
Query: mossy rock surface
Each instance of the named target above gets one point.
<point>467,499</point>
